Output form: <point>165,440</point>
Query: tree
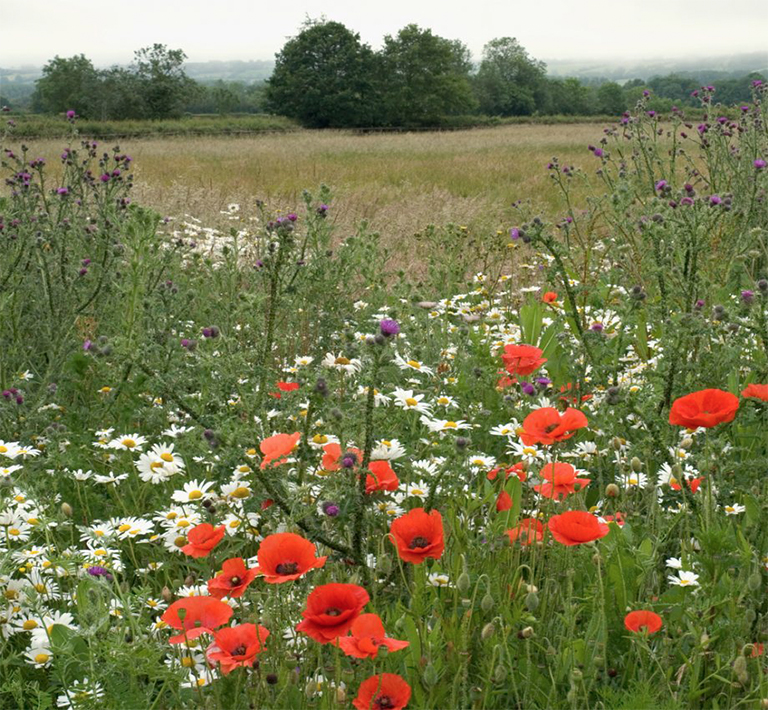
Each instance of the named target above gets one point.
<point>163,84</point>
<point>509,82</point>
<point>425,77</point>
<point>570,97</point>
<point>611,98</point>
<point>324,77</point>
<point>66,83</point>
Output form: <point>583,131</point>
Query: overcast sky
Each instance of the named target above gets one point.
<point>108,31</point>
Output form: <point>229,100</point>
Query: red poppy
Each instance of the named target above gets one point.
<point>574,398</point>
<point>332,456</point>
<point>522,359</point>
<point>202,539</point>
<point>200,615</point>
<point>617,518</point>
<point>505,381</point>
<point>236,646</point>
<point>561,480</point>
<point>528,531</point>
<point>283,557</point>
<point>692,484</point>
<point>331,610</point>
<point>757,650</point>
<point>418,535</point>
<point>549,297</point>
<point>547,425</point>
<point>367,637</point>
<point>381,477</point>
<point>277,448</point>
<point>576,527</point>
<point>503,502</point>
<point>705,408</point>
<point>284,387</point>
<point>233,580</point>
<point>387,691</point>
<point>756,392</point>
<point>643,621</point>
<point>517,469</point>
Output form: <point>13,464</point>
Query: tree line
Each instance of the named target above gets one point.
<point>325,77</point>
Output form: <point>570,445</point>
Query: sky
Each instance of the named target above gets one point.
<point>108,31</point>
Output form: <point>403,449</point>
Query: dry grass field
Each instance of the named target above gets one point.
<point>398,182</point>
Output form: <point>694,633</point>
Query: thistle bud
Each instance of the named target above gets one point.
<point>637,464</point>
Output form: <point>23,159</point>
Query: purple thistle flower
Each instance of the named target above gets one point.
<point>330,509</point>
<point>389,327</point>
<point>747,296</point>
<point>98,571</point>
<point>759,164</point>
<point>528,388</point>
<point>715,199</point>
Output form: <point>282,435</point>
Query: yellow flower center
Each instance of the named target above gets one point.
<point>14,531</point>
<point>124,527</point>
<point>180,541</point>
<point>29,624</point>
<point>182,524</point>
<point>244,469</point>
<point>411,402</point>
<point>3,449</point>
<point>320,439</point>
<point>100,552</point>
<point>41,658</point>
<point>195,495</point>
<point>171,515</point>
<point>187,662</point>
<point>450,425</point>
<point>40,588</point>
<point>529,451</point>
<point>33,521</point>
<point>155,465</point>
<point>240,492</point>
<point>128,443</point>
<point>168,457</point>
<point>342,361</point>
<point>415,364</point>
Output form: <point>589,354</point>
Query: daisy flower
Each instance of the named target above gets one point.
<point>404,364</point>
<point>128,442</point>
<point>193,491</point>
<point>349,366</point>
<point>406,399</point>
<point>684,579</point>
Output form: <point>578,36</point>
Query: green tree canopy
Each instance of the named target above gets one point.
<point>323,77</point>
<point>164,86</point>
<point>509,82</point>
<point>424,77</point>
<point>66,83</point>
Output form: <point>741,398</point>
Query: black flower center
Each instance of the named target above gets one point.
<point>332,611</point>
<point>418,542</point>
<point>234,581</point>
<point>551,428</point>
<point>384,701</point>
<point>287,568</point>
<point>239,651</point>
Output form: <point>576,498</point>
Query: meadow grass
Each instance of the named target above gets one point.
<point>399,183</point>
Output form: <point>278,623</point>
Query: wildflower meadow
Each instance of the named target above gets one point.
<point>270,466</point>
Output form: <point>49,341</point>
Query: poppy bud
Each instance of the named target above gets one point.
<point>612,490</point>
<point>764,703</point>
<point>617,443</point>
<point>430,676</point>
<point>500,674</point>
<point>527,632</point>
<point>190,580</point>
<point>754,581</point>
<point>488,630</point>
<point>532,601</point>
<point>487,603</point>
<point>166,594</point>
<point>740,669</point>
<point>637,464</point>
<point>382,652</point>
<point>463,583</point>
<point>612,673</point>
<point>271,679</point>
<point>576,675</point>
<point>66,509</point>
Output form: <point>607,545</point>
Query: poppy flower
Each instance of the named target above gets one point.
<point>517,469</point>
<point>642,621</point>
<point>283,557</point>
<point>574,398</point>
<point>367,637</point>
<point>692,484</point>
<point>547,426</point>
<point>195,616</point>
<point>418,535</point>
<point>277,448</point>
<point>331,610</point>
<point>522,359</point>
<point>202,539</point>
<point>381,477</point>
<point>505,381</point>
<point>549,297</point>
<point>331,457</point>
<point>561,480</point>
<point>236,646</point>
<point>387,691</point>
<point>284,387</point>
<point>528,531</point>
<point>503,502</point>
<point>233,580</point>
<point>576,527</point>
<point>756,392</point>
<point>705,408</point>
